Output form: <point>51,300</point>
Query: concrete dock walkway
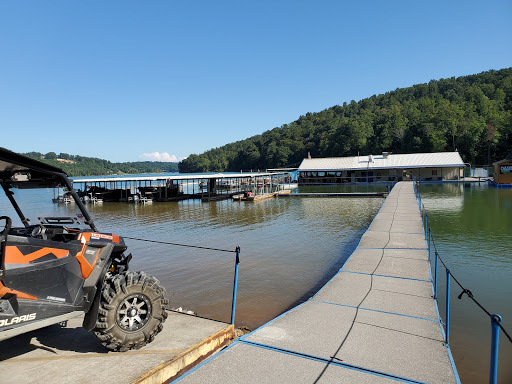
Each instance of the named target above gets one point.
<point>374,322</point>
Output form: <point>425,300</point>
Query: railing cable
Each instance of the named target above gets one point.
<point>468,292</point>
<point>237,261</point>
<point>181,245</point>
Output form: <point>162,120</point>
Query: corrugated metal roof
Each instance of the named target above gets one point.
<point>411,160</point>
<point>182,176</point>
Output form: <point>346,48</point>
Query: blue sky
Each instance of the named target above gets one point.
<point>120,79</point>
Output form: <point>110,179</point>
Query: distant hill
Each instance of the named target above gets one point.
<point>471,114</point>
<point>75,165</point>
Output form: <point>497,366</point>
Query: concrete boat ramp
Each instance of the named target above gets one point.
<point>67,353</point>
<point>374,322</point>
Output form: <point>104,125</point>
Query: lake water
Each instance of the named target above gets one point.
<point>472,228</point>
<point>291,246</point>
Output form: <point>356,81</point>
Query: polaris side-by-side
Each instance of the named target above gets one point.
<point>61,267</point>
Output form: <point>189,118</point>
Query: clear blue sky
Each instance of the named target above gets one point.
<point>117,79</point>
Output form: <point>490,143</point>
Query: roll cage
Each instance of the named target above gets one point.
<point>18,171</point>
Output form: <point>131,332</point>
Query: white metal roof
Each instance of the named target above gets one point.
<point>182,176</point>
<point>411,160</point>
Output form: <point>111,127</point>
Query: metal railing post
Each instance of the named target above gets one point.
<point>447,324</point>
<point>235,285</point>
<point>435,278</point>
<point>426,223</point>
<point>495,337</point>
<point>429,242</point>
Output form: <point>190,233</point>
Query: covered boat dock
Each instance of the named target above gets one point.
<point>207,187</point>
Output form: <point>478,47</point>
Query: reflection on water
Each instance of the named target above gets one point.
<point>447,197</point>
<point>475,240</point>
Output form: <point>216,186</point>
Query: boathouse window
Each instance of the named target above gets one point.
<point>321,174</point>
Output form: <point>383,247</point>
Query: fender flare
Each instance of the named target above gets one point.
<point>93,284</point>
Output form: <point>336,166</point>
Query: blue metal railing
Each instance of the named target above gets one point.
<point>447,323</point>
<point>235,285</point>
<point>495,318</point>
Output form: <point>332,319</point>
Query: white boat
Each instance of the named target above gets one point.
<point>95,200</point>
<point>63,199</point>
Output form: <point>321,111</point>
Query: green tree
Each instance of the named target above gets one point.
<point>440,115</point>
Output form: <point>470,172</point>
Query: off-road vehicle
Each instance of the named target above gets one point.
<point>61,267</point>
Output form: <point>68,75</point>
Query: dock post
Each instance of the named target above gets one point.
<point>426,222</point>
<point>435,277</point>
<point>235,284</point>
<point>447,324</point>
<point>429,242</point>
<point>495,338</point>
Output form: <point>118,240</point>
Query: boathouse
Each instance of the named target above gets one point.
<point>503,170</point>
<point>386,167</point>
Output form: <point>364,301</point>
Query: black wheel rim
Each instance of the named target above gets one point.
<point>134,312</point>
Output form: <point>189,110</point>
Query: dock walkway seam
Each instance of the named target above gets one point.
<point>392,277</point>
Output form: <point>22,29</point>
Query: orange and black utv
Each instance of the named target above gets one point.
<point>62,267</point>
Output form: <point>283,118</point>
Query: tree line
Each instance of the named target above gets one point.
<point>471,114</point>
<point>75,165</point>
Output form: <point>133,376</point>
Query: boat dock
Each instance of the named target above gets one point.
<point>375,321</point>
<point>206,187</point>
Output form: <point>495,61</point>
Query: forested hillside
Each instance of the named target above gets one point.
<point>471,114</point>
<point>75,165</point>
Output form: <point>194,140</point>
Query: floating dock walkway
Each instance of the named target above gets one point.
<point>374,322</point>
